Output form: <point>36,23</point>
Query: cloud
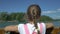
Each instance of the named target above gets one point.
<point>58,9</point>
<point>47,12</point>
<point>51,12</point>
<point>55,14</point>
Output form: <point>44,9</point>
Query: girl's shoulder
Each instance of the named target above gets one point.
<point>41,22</point>
<point>22,24</point>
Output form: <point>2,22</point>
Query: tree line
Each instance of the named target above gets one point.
<point>19,16</point>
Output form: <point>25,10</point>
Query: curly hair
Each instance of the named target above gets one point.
<point>33,8</point>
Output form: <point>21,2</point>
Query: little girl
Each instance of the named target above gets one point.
<point>33,26</point>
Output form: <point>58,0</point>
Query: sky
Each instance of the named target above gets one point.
<point>49,7</point>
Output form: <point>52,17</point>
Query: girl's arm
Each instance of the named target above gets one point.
<point>11,28</point>
<point>49,25</point>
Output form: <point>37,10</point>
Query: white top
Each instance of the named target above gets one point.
<point>31,28</point>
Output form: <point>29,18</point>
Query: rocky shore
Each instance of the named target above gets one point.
<point>56,30</point>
